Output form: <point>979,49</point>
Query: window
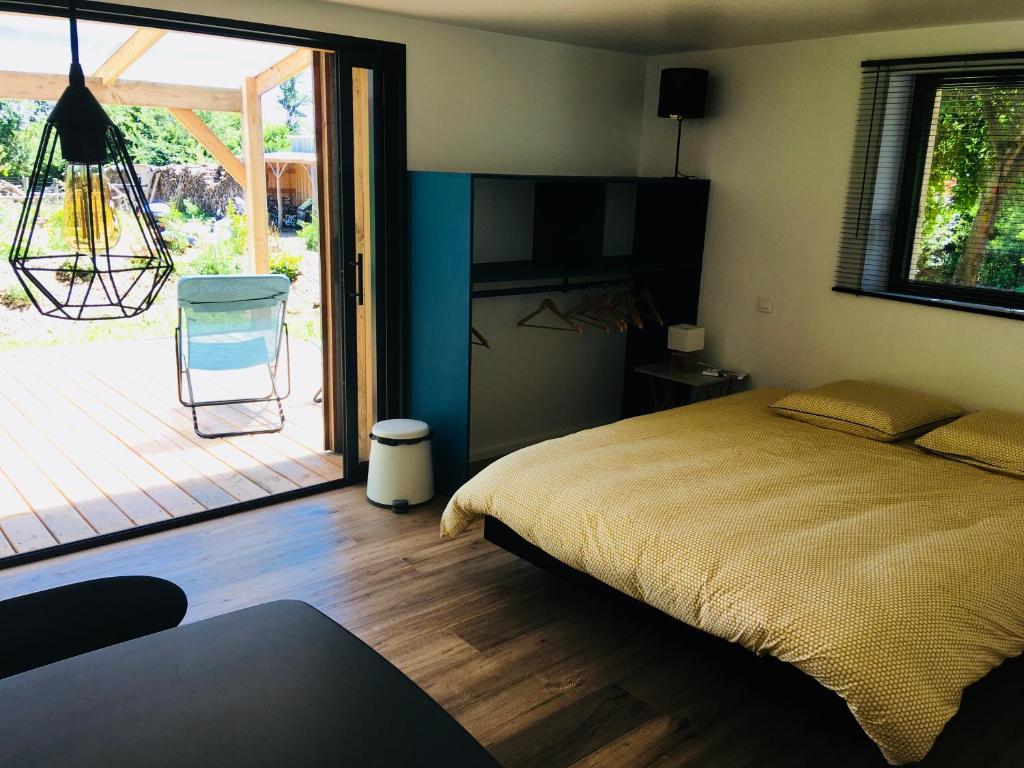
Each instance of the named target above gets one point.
<point>935,211</point>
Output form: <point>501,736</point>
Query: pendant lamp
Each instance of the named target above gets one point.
<point>113,261</point>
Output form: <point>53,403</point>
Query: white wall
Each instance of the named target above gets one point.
<point>480,101</point>
<point>777,145</point>
<point>534,383</point>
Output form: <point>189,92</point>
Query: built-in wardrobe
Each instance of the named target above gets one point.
<point>485,250</point>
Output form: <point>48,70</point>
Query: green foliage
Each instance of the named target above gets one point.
<point>287,264</point>
<point>21,130</point>
<point>176,238</point>
<point>155,136</point>
<point>976,131</point>
<point>309,231</point>
<point>191,211</point>
<point>174,225</point>
<point>1004,259</point>
<point>55,231</point>
<point>226,126</point>
<point>276,138</point>
<point>8,220</point>
<point>15,297</point>
<point>28,141</point>
<point>238,237</point>
<point>222,256</point>
<point>292,102</point>
<point>215,259</point>
<point>10,127</point>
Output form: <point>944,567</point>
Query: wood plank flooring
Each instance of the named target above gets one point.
<point>541,671</point>
<point>93,440</point>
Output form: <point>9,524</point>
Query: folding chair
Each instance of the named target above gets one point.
<point>232,323</point>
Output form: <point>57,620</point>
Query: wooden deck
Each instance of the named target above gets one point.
<point>93,440</point>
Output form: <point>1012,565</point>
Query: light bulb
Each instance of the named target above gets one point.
<point>90,222</point>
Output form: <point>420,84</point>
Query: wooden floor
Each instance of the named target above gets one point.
<point>542,672</point>
<point>93,440</point>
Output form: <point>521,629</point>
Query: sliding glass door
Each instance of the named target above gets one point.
<point>308,183</point>
<point>361,90</point>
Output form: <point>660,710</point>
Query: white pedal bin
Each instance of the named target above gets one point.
<point>401,472</point>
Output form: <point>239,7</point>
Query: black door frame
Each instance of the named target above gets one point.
<point>387,61</point>
<point>388,156</point>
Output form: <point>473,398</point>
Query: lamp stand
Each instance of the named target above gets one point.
<point>679,136</point>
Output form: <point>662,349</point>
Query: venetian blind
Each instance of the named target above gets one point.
<point>874,223</point>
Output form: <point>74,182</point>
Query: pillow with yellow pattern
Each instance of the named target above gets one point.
<point>875,411</point>
<point>991,439</point>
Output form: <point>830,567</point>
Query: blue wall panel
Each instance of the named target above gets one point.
<point>440,209</point>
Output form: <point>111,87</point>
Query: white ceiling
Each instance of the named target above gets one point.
<point>669,26</point>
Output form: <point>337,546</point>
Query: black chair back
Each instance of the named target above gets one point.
<point>44,627</point>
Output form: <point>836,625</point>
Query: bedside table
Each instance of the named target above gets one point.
<point>670,389</point>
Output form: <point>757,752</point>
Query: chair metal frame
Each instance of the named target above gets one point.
<point>184,372</point>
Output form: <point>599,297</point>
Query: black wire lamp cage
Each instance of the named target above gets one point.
<point>113,260</point>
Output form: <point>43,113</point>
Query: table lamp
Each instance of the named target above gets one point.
<point>685,342</point>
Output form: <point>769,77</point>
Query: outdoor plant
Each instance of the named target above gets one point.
<point>215,259</point>
<point>192,211</point>
<point>175,236</point>
<point>238,230</point>
<point>309,231</point>
<point>55,231</point>
<point>287,264</point>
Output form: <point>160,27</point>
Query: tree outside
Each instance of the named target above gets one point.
<point>292,102</point>
<point>971,227</point>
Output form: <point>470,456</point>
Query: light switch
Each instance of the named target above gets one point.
<point>766,304</point>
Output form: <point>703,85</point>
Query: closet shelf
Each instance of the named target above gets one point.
<point>513,271</point>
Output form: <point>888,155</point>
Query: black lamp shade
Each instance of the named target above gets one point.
<point>683,92</point>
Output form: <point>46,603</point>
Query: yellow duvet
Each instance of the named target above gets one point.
<point>893,577</point>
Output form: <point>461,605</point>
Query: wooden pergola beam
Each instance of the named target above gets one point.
<point>201,132</point>
<point>285,69</point>
<point>129,52</point>
<point>255,185</point>
<point>135,93</point>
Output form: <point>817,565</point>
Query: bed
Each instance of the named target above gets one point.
<point>893,577</point>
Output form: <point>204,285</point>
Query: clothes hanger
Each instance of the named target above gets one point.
<point>477,338</point>
<point>584,313</point>
<point>644,297</point>
<point>604,306</point>
<point>626,301</point>
<point>549,305</point>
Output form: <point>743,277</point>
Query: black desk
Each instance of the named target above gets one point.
<point>275,685</point>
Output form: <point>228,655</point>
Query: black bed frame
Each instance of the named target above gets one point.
<point>498,533</point>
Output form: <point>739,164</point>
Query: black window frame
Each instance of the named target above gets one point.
<point>911,183</point>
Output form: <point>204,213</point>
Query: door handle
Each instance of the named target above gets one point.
<point>358,292</point>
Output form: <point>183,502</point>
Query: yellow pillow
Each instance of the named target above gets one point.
<point>990,439</point>
<point>874,411</point>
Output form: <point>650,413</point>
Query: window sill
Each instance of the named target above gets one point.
<point>928,301</point>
